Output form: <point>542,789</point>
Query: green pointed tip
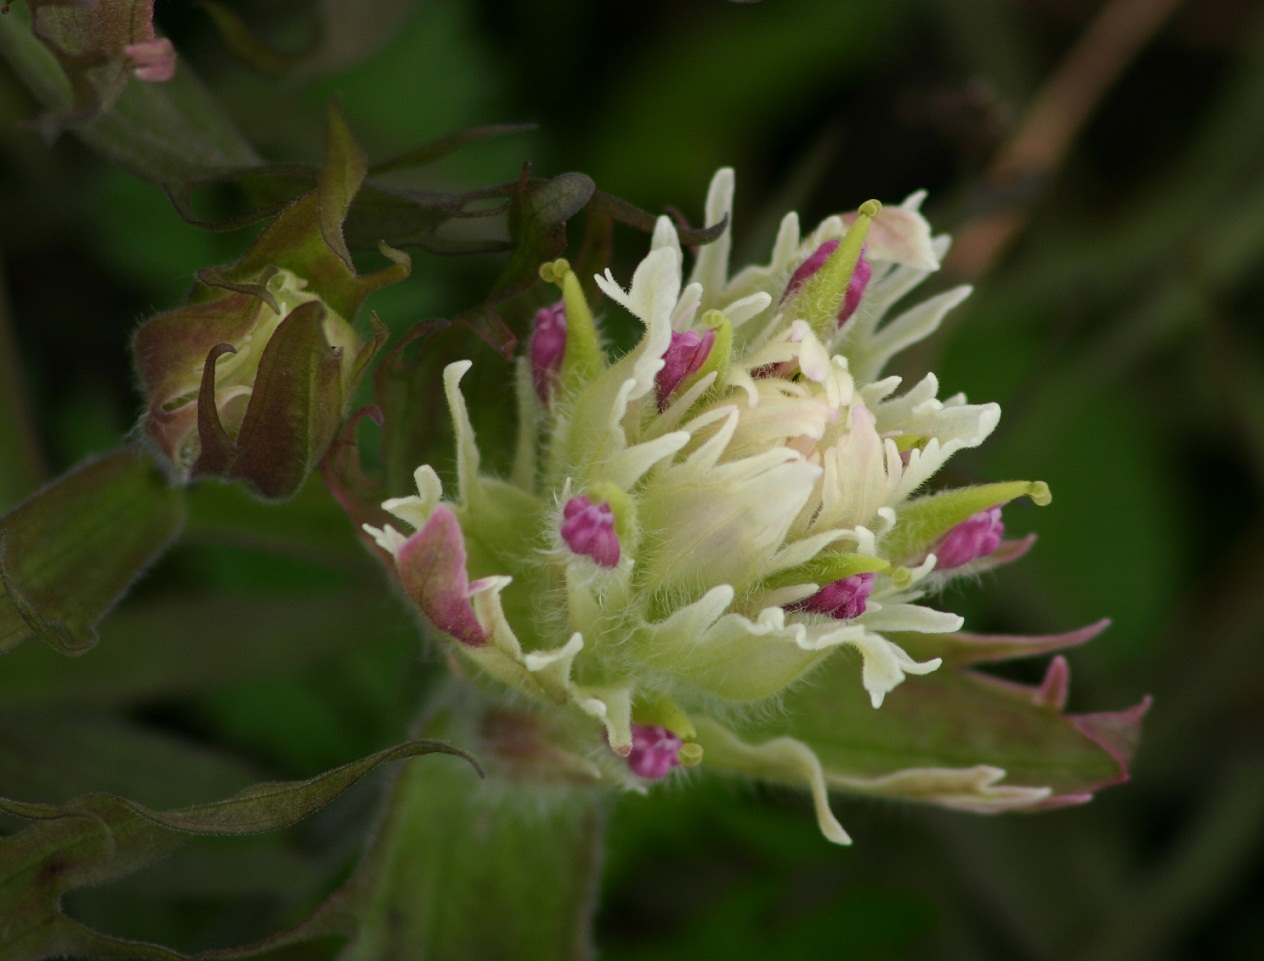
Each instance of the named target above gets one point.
<point>821,296</point>
<point>1040,494</point>
<point>721,351</point>
<point>826,569</point>
<point>905,442</point>
<point>656,710</point>
<point>690,754</point>
<point>583,360</point>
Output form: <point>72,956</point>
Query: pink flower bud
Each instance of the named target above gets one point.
<point>860,278</point>
<point>548,348</point>
<point>810,266</point>
<point>685,357</point>
<point>844,599</point>
<point>588,529</point>
<point>655,751</point>
<point>152,60</point>
<point>976,536</point>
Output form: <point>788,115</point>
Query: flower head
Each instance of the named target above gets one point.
<point>700,525</point>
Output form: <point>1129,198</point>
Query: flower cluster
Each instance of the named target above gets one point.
<point>691,530</point>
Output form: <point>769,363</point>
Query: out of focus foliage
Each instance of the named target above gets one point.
<point>1120,333</point>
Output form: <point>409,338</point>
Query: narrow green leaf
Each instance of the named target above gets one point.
<point>100,837</point>
<point>72,550</point>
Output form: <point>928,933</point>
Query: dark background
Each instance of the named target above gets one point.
<point>1120,330</point>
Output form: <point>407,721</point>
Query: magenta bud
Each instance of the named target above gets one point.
<point>810,266</point>
<point>844,599</point>
<point>976,536</point>
<point>655,751</point>
<point>548,348</point>
<point>684,358</point>
<point>588,529</point>
<point>860,278</point>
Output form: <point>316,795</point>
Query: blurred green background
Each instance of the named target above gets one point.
<point>1120,331</point>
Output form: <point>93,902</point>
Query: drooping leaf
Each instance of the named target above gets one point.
<point>99,837</point>
<point>71,551</point>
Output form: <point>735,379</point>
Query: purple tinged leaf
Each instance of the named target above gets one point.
<point>340,180</point>
<point>961,648</point>
<point>432,570</point>
<point>935,729</point>
<point>295,408</point>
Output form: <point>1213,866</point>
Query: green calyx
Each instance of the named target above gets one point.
<point>584,358</point>
<point>923,521</point>
<point>826,569</point>
<point>721,351</point>
<point>817,301</point>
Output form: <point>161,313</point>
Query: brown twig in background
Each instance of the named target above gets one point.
<point>1027,163</point>
<point>24,469</point>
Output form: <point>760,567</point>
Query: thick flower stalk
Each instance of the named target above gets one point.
<point>692,530</point>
